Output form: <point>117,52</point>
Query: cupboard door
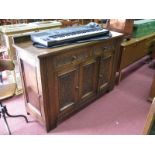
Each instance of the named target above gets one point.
<point>31,90</point>
<point>67,81</point>
<point>105,71</point>
<point>88,79</point>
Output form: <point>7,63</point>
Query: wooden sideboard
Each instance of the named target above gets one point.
<point>60,81</point>
<point>150,120</point>
<point>133,50</point>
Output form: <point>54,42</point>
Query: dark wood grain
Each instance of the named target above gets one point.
<point>152,90</point>
<point>133,50</point>
<point>67,82</point>
<point>150,119</point>
<point>88,79</point>
<point>58,82</point>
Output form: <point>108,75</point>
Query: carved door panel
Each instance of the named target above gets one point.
<point>105,71</point>
<point>31,86</point>
<point>88,79</point>
<point>67,84</point>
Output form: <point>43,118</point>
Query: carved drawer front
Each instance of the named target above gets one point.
<point>72,56</point>
<point>100,49</point>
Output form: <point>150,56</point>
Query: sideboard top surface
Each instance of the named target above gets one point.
<point>28,47</point>
<point>135,40</point>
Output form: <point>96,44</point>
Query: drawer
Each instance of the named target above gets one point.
<point>147,43</point>
<point>72,56</point>
<point>103,48</point>
<point>132,53</point>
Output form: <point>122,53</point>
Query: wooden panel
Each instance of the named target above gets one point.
<point>148,42</point>
<point>142,50</point>
<point>67,82</point>
<point>88,79</point>
<point>100,49</point>
<point>134,49</point>
<point>132,53</point>
<point>105,70</point>
<point>31,86</point>
<point>152,90</point>
<point>150,119</point>
<point>72,57</point>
